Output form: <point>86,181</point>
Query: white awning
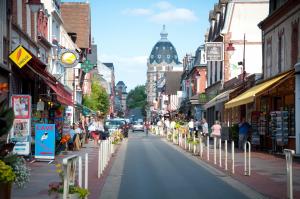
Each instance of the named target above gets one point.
<point>222,97</point>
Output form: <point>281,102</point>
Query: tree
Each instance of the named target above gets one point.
<point>137,98</point>
<point>98,100</point>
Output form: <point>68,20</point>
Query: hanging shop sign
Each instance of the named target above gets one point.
<point>45,141</point>
<point>214,51</point>
<point>20,56</point>
<point>69,58</point>
<point>87,66</point>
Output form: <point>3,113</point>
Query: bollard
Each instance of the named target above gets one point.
<point>215,150</point>
<point>207,147</point>
<point>289,172</point>
<point>86,171</point>
<point>247,171</point>
<point>101,156</point>
<point>200,146</point>
<point>226,159</point>
<point>232,156</point>
<point>194,144</point>
<point>185,141</point>
<point>80,171</point>
<point>99,161</point>
<point>220,152</point>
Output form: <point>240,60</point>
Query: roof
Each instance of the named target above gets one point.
<point>121,83</point>
<point>163,50</point>
<point>173,82</point>
<point>77,19</point>
<point>109,65</point>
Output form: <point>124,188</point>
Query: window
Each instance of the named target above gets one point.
<point>221,70</point>
<point>294,41</point>
<point>269,57</point>
<point>216,71</point>
<point>280,53</point>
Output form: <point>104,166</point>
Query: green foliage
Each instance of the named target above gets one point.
<point>6,119</point>
<point>137,98</point>
<point>6,173</point>
<point>98,100</point>
<point>82,193</point>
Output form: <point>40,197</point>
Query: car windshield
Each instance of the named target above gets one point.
<point>138,123</point>
<point>113,123</point>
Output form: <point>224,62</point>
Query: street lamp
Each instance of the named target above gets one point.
<point>230,49</point>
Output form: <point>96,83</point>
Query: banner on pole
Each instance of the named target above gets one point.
<point>45,141</point>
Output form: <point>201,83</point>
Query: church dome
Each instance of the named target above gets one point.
<point>163,50</point>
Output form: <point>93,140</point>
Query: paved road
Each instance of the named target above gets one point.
<point>148,167</point>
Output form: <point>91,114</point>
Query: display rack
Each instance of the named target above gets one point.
<point>280,128</point>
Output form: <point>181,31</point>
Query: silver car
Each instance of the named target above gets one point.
<point>138,126</point>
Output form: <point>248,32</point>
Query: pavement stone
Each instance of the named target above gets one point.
<point>42,174</point>
<point>268,172</point>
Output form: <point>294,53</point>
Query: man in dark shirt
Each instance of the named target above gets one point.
<point>243,132</point>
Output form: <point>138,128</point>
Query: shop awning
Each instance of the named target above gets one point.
<point>249,95</point>
<point>218,99</point>
<point>62,95</point>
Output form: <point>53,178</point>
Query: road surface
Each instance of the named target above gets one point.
<point>150,168</point>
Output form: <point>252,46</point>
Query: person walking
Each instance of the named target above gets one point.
<point>244,128</point>
<point>216,131</point>
<point>204,129</point>
<point>191,127</point>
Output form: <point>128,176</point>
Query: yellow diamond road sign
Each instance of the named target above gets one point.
<point>20,56</point>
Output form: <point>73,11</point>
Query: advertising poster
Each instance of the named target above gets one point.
<point>45,141</point>
<point>20,133</point>
<point>21,105</point>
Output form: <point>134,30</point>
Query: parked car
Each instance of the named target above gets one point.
<point>138,126</point>
<point>112,125</point>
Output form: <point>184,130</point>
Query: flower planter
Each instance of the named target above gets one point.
<point>71,196</point>
<point>5,190</point>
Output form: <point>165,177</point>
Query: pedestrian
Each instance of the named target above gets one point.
<point>167,126</point>
<point>204,130</point>
<point>198,127</point>
<point>244,128</point>
<point>191,127</point>
<point>93,130</point>
<point>147,127</point>
<point>216,131</point>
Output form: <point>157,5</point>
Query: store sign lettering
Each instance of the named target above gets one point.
<point>44,128</point>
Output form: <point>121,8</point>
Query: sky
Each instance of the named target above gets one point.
<point>125,31</point>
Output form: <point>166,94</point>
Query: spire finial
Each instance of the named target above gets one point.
<point>164,34</point>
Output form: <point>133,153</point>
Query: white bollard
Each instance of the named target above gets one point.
<point>232,156</point>
<point>220,152</point>
<point>80,171</point>
<point>86,171</point>
<point>185,141</point>
<point>247,171</point>
<point>200,146</point>
<point>215,150</point>
<point>102,156</point>
<point>99,161</point>
<point>194,144</point>
<point>226,159</point>
<point>207,147</point>
<point>289,171</point>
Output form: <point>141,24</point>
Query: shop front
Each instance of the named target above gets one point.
<point>270,109</point>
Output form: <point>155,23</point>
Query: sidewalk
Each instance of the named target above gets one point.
<point>268,172</point>
<point>42,174</point>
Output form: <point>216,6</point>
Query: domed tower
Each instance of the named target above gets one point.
<point>163,58</point>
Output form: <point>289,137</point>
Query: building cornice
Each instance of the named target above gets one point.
<point>278,14</point>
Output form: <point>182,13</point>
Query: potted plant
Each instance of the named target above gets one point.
<point>7,177</point>
<point>56,188</point>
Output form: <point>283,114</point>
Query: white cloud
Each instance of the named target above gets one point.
<point>176,15</point>
<point>164,5</point>
<point>164,12</point>
<point>132,70</point>
<point>137,12</point>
